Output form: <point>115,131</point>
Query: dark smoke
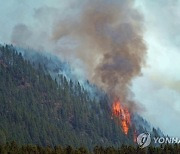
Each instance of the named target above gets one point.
<point>111,43</point>
<point>104,36</point>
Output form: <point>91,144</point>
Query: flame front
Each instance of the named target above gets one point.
<point>123,114</point>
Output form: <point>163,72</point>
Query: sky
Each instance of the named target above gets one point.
<point>157,89</point>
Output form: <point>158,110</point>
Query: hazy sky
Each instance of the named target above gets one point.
<point>158,89</point>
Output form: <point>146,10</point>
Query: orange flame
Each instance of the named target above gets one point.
<point>123,114</point>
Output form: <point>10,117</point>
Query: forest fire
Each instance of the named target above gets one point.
<point>123,115</point>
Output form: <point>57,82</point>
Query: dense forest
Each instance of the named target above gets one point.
<point>36,109</point>
<point>13,148</point>
<point>41,107</point>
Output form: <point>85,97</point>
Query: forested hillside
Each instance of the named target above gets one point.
<point>14,148</point>
<point>34,108</point>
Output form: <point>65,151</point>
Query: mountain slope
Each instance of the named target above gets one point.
<point>42,102</point>
<point>36,109</point>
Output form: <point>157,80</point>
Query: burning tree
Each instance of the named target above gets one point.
<point>123,115</point>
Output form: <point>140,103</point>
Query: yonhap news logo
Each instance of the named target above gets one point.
<point>144,140</point>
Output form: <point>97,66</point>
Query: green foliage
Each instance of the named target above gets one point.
<point>13,148</point>
<point>36,109</point>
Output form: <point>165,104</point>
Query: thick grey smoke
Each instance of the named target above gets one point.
<point>111,43</point>
<point>107,40</point>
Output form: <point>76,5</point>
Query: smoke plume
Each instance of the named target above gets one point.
<point>111,43</point>
<point>106,36</point>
